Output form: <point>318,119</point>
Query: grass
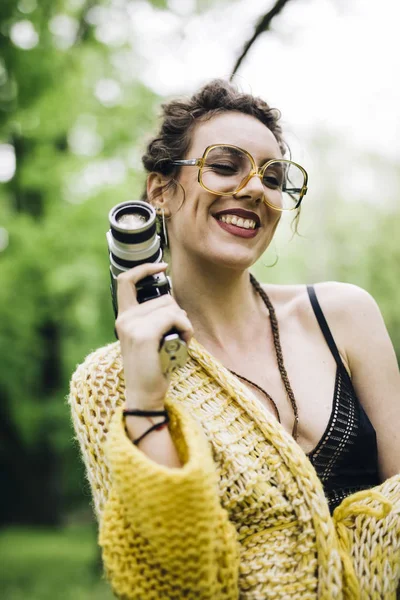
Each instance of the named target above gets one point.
<point>42,564</point>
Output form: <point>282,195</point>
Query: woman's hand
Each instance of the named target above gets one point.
<point>140,328</point>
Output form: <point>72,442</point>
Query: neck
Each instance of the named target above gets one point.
<point>221,303</point>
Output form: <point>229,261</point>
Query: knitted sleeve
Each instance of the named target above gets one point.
<point>163,532</point>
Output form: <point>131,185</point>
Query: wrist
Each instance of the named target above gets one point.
<point>151,415</point>
<point>156,420</point>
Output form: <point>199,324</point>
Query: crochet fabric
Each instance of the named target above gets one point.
<point>245,517</point>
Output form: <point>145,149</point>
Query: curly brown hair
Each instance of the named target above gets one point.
<point>179,117</point>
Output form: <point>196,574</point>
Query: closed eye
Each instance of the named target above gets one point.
<point>222,168</point>
<point>272,182</point>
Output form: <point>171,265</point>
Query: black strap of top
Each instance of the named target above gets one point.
<point>326,331</point>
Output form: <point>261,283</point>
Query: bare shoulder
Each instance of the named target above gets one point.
<point>344,298</point>
<point>352,314</point>
<point>339,301</point>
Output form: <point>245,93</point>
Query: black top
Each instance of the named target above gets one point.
<point>346,457</point>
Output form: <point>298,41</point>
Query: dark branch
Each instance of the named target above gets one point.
<point>263,25</point>
<point>84,27</point>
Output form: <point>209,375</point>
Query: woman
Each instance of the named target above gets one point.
<point>221,500</point>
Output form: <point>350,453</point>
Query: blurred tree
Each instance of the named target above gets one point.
<point>263,24</point>
<point>57,85</point>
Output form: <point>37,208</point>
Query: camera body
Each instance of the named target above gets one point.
<point>133,240</point>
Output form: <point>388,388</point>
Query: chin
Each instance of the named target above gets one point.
<point>225,256</point>
<point>236,256</point>
<point>238,261</point>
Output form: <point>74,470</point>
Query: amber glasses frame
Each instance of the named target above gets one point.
<point>254,172</point>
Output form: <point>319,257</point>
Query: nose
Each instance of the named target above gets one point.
<point>253,188</point>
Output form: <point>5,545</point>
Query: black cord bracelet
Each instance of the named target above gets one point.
<point>134,412</point>
<point>147,413</point>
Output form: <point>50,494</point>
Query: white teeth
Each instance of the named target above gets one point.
<point>238,221</point>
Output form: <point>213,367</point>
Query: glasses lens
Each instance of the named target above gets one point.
<point>284,182</point>
<point>224,169</point>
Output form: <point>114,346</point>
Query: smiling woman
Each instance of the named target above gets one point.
<point>258,468</point>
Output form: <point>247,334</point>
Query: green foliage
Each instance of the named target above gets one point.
<point>55,304</point>
<point>51,564</point>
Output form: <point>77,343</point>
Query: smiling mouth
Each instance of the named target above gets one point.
<point>237,221</point>
<point>245,229</point>
<point>239,217</point>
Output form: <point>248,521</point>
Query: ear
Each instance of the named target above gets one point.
<point>156,193</point>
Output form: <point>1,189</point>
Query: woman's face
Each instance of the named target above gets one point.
<point>195,227</point>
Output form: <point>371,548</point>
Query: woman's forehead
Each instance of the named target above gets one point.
<point>237,129</point>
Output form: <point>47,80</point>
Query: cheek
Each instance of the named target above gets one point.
<point>188,181</point>
<point>186,195</point>
<point>274,197</point>
<point>194,206</point>
<point>271,216</point>
<point>275,218</point>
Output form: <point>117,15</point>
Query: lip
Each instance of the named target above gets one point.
<point>240,212</point>
<point>237,231</point>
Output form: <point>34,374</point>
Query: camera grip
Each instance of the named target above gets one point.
<point>173,352</point>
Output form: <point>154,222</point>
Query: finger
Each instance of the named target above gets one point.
<point>137,312</point>
<point>126,282</point>
<point>162,321</point>
<point>178,320</point>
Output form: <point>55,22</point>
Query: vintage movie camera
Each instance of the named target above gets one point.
<point>133,240</point>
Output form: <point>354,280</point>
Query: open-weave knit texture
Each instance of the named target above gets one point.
<point>245,517</point>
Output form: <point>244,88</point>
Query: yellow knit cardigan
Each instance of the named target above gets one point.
<point>245,517</point>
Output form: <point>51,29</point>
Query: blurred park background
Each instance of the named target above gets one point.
<point>81,82</point>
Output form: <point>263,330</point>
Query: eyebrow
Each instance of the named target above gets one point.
<point>265,160</point>
<point>230,150</point>
<point>238,151</point>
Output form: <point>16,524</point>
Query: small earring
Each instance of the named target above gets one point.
<point>165,234</point>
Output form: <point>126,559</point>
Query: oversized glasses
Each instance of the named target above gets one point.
<point>226,169</point>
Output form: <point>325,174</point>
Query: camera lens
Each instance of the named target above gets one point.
<point>132,238</point>
<point>141,214</point>
<point>131,221</point>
